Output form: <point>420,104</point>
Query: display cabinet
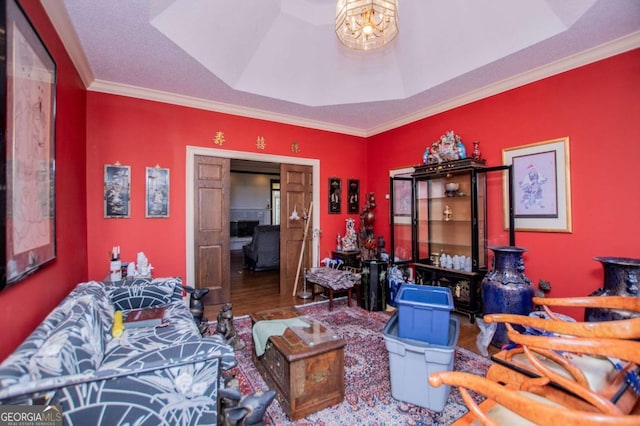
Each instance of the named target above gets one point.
<point>401,191</point>
<point>451,230</point>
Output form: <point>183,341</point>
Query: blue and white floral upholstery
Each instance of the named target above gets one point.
<point>149,375</point>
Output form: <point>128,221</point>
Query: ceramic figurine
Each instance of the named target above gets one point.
<point>462,151</point>
<point>449,263</point>
<point>349,241</point>
<point>143,266</point>
<point>226,329</point>
<point>447,213</point>
<point>456,262</point>
<point>244,410</point>
<point>476,155</point>
<point>468,264</point>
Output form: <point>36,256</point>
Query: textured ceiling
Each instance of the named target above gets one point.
<point>280,59</point>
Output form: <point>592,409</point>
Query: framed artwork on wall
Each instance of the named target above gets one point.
<point>354,196</point>
<point>117,192</point>
<point>402,197</point>
<point>335,195</point>
<point>542,190</point>
<point>157,199</point>
<point>28,158</point>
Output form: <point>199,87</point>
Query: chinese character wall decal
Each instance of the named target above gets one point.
<point>219,138</point>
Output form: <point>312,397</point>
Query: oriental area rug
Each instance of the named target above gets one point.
<point>368,400</point>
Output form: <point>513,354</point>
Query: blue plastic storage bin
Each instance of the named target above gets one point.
<point>424,313</point>
<point>411,362</point>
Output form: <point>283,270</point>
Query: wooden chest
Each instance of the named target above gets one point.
<point>304,365</point>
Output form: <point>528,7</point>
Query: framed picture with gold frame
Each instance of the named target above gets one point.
<point>117,193</point>
<point>157,199</point>
<point>542,185</point>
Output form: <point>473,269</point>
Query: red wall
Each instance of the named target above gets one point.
<point>143,133</point>
<point>24,305</point>
<point>597,107</point>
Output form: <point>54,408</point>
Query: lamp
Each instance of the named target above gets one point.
<point>366,24</point>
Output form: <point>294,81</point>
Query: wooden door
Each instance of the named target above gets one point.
<point>211,233</point>
<point>296,192</point>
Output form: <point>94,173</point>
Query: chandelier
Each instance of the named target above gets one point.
<point>366,24</point>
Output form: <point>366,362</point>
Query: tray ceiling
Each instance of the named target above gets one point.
<point>280,59</point>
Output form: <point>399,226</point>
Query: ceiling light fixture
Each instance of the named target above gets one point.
<point>366,24</point>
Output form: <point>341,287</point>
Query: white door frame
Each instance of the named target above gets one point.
<point>192,151</point>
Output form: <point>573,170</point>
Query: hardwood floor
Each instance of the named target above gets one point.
<point>257,291</point>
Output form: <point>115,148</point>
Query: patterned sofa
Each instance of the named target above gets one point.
<point>148,376</point>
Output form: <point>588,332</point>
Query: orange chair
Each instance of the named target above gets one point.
<point>595,373</point>
<point>515,403</point>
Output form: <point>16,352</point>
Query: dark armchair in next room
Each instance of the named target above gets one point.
<point>263,252</point>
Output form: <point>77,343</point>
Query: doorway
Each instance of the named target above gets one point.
<point>192,152</point>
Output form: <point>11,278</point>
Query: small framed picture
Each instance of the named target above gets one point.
<point>335,195</point>
<point>354,196</point>
<point>117,195</point>
<point>157,200</point>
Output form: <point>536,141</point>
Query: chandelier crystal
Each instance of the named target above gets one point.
<point>366,24</point>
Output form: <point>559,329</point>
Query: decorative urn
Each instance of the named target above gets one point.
<point>506,289</point>
<point>621,276</point>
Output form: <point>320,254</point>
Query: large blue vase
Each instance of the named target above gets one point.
<point>506,289</point>
<point>621,276</point>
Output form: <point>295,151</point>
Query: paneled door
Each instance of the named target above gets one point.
<point>211,222</point>
<point>296,193</point>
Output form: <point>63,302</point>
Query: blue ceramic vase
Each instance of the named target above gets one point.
<point>506,289</point>
<point>621,276</point>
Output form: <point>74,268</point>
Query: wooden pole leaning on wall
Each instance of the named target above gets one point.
<point>304,240</point>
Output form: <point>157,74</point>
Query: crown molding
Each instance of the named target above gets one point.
<point>603,51</point>
<point>63,26</point>
<point>62,23</point>
<point>204,104</point>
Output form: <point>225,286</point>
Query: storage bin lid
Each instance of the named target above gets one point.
<point>425,295</point>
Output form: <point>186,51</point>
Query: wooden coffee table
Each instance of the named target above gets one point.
<point>305,365</point>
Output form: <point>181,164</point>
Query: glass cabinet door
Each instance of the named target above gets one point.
<point>421,230</point>
<point>401,219</point>
<point>445,221</point>
<point>494,188</point>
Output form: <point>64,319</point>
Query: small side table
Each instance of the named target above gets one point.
<point>350,258</point>
<point>304,365</point>
<point>332,280</point>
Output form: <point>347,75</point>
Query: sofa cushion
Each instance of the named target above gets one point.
<point>144,292</point>
<point>85,312</point>
<point>75,345</point>
<point>179,328</point>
